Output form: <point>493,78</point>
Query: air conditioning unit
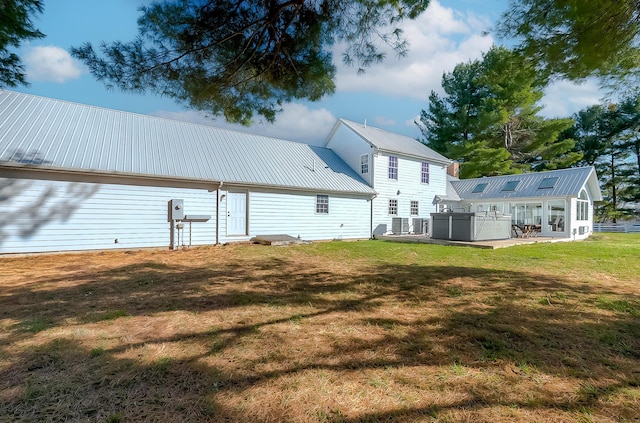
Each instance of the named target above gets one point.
<point>418,225</point>
<point>399,225</point>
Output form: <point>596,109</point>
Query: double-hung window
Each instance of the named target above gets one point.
<point>414,208</point>
<point>393,167</point>
<point>322,204</point>
<point>393,207</point>
<point>424,178</point>
<point>364,163</point>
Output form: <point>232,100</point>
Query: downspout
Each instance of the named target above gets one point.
<point>371,218</point>
<point>218,213</point>
<point>372,169</point>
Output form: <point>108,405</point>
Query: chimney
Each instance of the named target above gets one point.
<point>453,169</point>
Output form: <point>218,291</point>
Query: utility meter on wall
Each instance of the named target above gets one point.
<point>176,209</point>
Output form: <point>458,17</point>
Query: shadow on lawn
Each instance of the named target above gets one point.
<point>481,320</point>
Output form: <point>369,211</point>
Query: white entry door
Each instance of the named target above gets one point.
<point>237,213</point>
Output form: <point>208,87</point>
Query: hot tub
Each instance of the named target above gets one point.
<point>475,226</point>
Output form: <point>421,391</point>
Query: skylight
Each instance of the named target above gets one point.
<point>548,183</point>
<point>510,186</point>
<point>479,188</point>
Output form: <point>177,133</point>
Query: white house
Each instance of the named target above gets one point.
<point>76,177</point>
<point>405,173</point>
<point>558,202</point>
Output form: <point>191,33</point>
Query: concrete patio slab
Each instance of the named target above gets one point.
<point>492,244</point>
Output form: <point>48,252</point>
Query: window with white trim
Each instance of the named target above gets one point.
<point>364,163</point>
<point>582,206</point>
<point>414,208</point>
<point>322,204</point>
<point>393,167</point>
<point>393,207</point>
<point>424,177</point>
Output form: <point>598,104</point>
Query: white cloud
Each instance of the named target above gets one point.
<point>439,39</point>
<point>564,98</point>
<point>296,122</point>
<point>51,64</point>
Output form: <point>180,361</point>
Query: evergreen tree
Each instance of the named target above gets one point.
<point>576,39</point>
<point>242,57</point>
<point>608,139</point>
<point>489,119</point>
<point>15,27</point>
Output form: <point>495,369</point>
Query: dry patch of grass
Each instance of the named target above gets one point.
<point>330,332</point>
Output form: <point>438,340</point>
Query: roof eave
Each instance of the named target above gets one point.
<point>169,179</point>
<point>415,156</point>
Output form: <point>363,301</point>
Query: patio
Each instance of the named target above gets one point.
<point>490,244</point>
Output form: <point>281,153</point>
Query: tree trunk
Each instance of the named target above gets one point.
<point>614,202</point>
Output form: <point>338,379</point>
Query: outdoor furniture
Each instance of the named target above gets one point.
<point>535,230</point>
<point>526,231</point>
<point>517,231</point>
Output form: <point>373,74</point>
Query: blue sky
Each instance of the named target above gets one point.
<point>389,95</point>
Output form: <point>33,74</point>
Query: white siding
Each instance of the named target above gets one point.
<point>410,187</point>
<point>349,146</point>
<point>63,216</point>
<point>293,213</point>
<point>574,223</point>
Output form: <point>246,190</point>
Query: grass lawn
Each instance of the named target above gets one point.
<point>364,331</point>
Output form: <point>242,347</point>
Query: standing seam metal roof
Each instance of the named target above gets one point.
<point>569,183</point>
<point>69,136</point>
<point>395,143</point>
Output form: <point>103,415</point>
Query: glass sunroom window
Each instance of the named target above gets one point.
<point>526,213</point>
<point>556,215</point>
<point>582,206</point>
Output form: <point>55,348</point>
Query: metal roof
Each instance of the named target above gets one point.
<point>394,143</point>
<point>569,183</point>
<point>60,135</point>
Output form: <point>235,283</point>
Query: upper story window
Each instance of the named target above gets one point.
<point>322,204</point>
<point>393,167</point>
<point>364,163</point>
<point>424,177</point>
<point>414,208</point>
